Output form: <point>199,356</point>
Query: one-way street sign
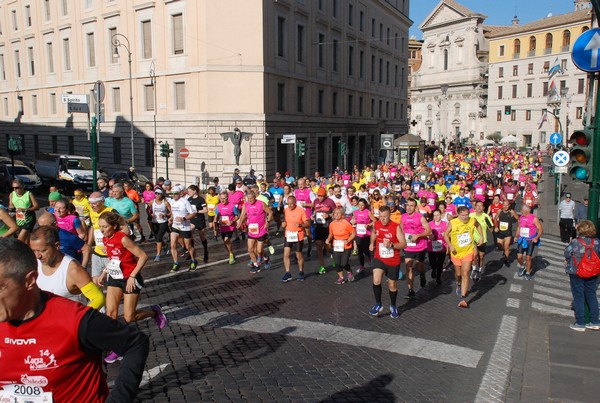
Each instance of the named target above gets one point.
<point>586,49</point>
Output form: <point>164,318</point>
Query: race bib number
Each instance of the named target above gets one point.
<point>79,210</point>
<point>464,240</point>
<point>225,221</point>
<point>20,215</point>
<point>114,269</point>
<point>276,197</point>
<point>510,196</point>
<point>437,246</point>
<point>409,240</point>
<point>417,188</point>
<point>524,232</point>
<point>529,202</point>
<point>338,245</point>
<point>431,202</point>
<point>361,229</point>
<point>253,229</point>
<point>319,218</point>
<point>345,183</point>
<point>479,191</point>
<point>397,188</point>
<point>16,393</point>
<point>291,236</point>
<point>503,226</point>
<point>177,224</point>
<point>376,212</point>
<point>384,252</point>
<point>160,218</point>
<point>210,208</point>
<point>98,237</point>
<point>490,193</point>
<point>440,194</point>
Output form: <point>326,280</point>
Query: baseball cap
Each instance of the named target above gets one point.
<point>287,172</point>
<point>161,179</point>
<point>167,182</point>
<point>260,177</point>
<point>159,192</point>
<point>177,189</point>
<point>568,195</point>
<point>321,192</point>
<point>54,196</point>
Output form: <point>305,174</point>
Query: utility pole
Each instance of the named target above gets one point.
<point>594,194</point>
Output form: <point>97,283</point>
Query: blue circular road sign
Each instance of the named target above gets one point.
<point>555,138</point>
<point>586,51</point>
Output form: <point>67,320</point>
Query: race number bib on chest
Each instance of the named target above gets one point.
<point>510,196</point>
<point>253,229</point>
<point>503,226</point>
<point>409,240</point>
<point>464,240</point>
<point>291,236</point>
<point>20,215</point>
<point>114,268</point>
<point>98,237</point>
<point>225,221</point>
<point>384,252</point>
<point>24,394</point>
<point>320,218</point>
<point>338,245</point>
<point>210,208</point>
<point>361,229</point>
<point>524,232</point>
<point>437,246</point>
<point>479,191</point>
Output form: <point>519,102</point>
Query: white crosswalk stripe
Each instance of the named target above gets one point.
<point>551,290</point>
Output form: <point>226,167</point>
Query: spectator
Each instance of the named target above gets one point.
<point>566,210</point>
<point>581,210</point>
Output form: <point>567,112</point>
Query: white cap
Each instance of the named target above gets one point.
<point>177,188</point>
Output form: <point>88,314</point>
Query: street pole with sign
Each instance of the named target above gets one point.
<point>184,153</point>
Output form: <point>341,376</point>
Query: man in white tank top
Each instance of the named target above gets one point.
<point>61,274</point>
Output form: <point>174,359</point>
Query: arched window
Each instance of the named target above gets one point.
<point>548,43</point>
<point>532,43</point>
<point>584,28</point>
<point>517,46</point>
<point>566,39</point>
<point>445,59</point>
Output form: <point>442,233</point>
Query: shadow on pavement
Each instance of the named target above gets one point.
<point>429,292</point>
<point>234,354</point>
<point>487,283</point>
<point>374,391</point>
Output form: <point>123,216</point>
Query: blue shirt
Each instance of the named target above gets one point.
<point>462,201</point>
<point>70,244</point>
<point>276,191</point>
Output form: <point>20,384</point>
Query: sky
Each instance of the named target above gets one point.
<point>499,12</point>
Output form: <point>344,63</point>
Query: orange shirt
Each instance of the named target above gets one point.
<point>396,217</point>
<point>133,195</point>
<point>293,218</point>
<point>341,230</point>
<point>376,204</point>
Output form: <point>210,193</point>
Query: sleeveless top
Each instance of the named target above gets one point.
<point>461,237</point>
<point>68,222</point>
<point>22,202</point>
<point>121,262</point>
<point>411,224</point>
<point>437,244</point>
<point>256,219</point>
<point>56,283</point>
<point>303,197</point>
<point>362,220</point>
<point>160,212</point>
<point>227,214</point>
<point>527,228</point>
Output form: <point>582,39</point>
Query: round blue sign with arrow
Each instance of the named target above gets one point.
<point>555,138</point>
<point>586,50</point>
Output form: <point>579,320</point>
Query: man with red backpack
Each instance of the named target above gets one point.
<point>583,267</point>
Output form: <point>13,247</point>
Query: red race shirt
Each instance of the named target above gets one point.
<point>388,257</point>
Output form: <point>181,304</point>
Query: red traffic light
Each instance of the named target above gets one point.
<point>581,138</point>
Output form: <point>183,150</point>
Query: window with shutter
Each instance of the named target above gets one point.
<point>147,39</point>
<point>91,50</point>
<point>179,96</point>
<point>178,34</point>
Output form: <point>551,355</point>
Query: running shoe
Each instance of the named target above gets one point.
<point>593,326</point>
<point>458,291</point>
<point>250,264</point>
<point>473,274</point>
<point>376,309</point>
<point>194,265</point>
<point>506,262</point>
<point>271,249</point>
<point>340,281</point>
<point>157,258</point>
<point>159,318</point>
<point>360,270</point>
<point>528,276</point>
<point>463,303</point>
<point>300,276</point>
<point>423,280</point>
<point>411,294</point>
<point>350,277</point>
<point>322,270</point>
<point>255,269</point>
<point>175,268</point>
<point>267,264</point>
<point>286,277</point>
<point>522,271</point>
<point>393,311</point>
<point>231,259</point>
<point>114,357</point>
<point>574,326</point>
<point>433,274</point>
<point>355,252</point>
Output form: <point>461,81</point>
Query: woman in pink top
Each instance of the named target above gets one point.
<point>436,246</point>
<point>363,220</point>
<point>148,196</point>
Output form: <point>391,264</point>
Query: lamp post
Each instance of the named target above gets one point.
<point>153,78</point>
<point>117,43</point>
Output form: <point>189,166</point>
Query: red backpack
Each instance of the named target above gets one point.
<point>589,265</point>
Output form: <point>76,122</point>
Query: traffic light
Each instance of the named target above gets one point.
<point>165,151</point>
<point>343,148</point>
<point>581,155</point>
<point>301,148</point>
<point>507,110</point>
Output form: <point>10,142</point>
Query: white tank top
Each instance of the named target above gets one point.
<point>57,282</point>
<point>160,210</point>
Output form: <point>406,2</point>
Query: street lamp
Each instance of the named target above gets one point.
<point>117,43</point>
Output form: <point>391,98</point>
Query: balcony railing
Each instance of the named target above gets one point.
<point>516,55</point>
<point>531,53</point>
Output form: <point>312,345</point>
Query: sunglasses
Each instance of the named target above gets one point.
<point>16,187</point>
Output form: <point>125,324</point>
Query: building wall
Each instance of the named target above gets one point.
<point>228,67</point>
<point>529,66</point>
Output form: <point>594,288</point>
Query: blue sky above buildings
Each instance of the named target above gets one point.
<point>499,12</point>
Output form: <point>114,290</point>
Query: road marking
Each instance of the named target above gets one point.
<point>551,300</point>
<point>553,291</point>
<point>404,345</point>
<point>559,277</point>
<point>556,364</point>
<point>516,288</point>
<point>552,310</point>
<point>513,303</point>
<point>495,380</point>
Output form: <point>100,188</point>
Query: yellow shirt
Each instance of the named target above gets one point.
<point>454,189</point>
<point>483,221</point>
<point>211,204</point>
<point>441,190</point>
<point>95,218</point>
<point>462,238</point>
<point>82,207</point>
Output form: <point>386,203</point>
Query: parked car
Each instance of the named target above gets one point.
<point>66,171</point>
<point>122,176</point>
<point>30,180</point>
